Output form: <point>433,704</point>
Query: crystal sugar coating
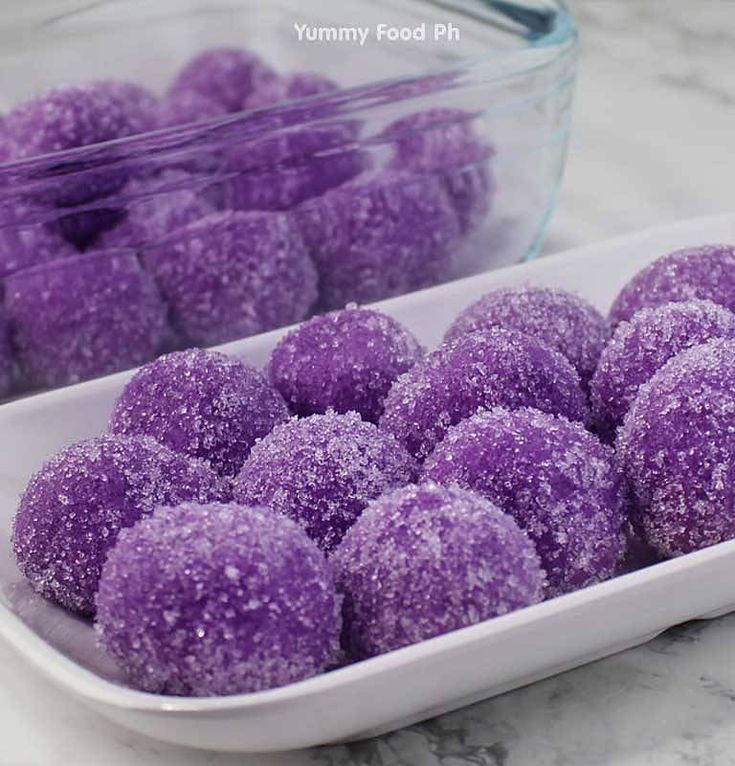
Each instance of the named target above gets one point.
<point>74,507</point>
<point>559,319</point>
<point>557,480</point>
<point>425,560</point>
<point>156,207</point>
<point>233,274</point>
<point>677,448</point>
<point>706,272</point>
<point>644,344</point>
<point>227,76</point>
<point>83,316</point>
<point>491,368</point>
<point>345,360</point>
<point>446,142</point>
<point>382,234</point>
<point>202,404</point>
<point>216,599</point>
<point>322,471</point>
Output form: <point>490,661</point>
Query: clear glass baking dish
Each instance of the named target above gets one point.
<point>505,88</point>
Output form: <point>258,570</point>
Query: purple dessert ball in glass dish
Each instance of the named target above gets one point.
<point>446,142</point>
<point>227,76</point>
<point>383,234</point>
<point>73,116</point>
<point>288,166</point>
<point>322,471</point>
<point>494,368</point>
<point>425,560</point>
<point>233,274</point>
<point>557,480</point>
<point>677,447</point>
<point>706,272</point>
<point>557,318</point>
<point>201,403</point>
<point>83,316</point>
<point>208,600</point>
<point>74,507</point>
<point>345,360</point>
<point>156,207</point>
<point>642,345</point>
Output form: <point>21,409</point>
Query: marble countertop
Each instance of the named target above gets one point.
<point>652,143</point>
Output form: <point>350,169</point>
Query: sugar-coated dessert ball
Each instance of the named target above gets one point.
<point>73,509</point>
<point>286,167</point>
<point>322,471</point>
<point>83,316</point>
<point>494,368</point>
<point>448,143</point>
<point>677,447</point>
<point>227,76</point>
<point>706,272</point>
<point>200,403</point>
<point>382,234</point>
<point>561,320</point>
<point>643,345</point>
<point>208,600</point>
<point>425,560</point>
<point>345,360</point>
<point>233,274</point>
<point>557,480</point>
<point>155,207</point>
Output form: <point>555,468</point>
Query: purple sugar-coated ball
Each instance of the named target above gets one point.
<point>156,207</point>
<point>493,368</point>
<point>322,471</point>
<point>228,76</point>
<point>75,506</point>
<point>557,318</point>
<point>345,360</point>
<point>186,107</point>
<point>446,142</point>
<point>286,167</point>
<point>234,274</point>
<point>643,345</point>
<point>201,403</point>
<point>291,88</point>
<point>383,234</point>
<point>677,447</point>
<point>215,599</point>
<point>706,272</point>
<point>425,560</point>
<point>557,480</point>
<point>6,357</point>
<point>83,316</point>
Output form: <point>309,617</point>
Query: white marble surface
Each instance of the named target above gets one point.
<point>653,142</point>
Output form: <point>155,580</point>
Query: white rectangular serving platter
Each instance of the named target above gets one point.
<point>405,686</point>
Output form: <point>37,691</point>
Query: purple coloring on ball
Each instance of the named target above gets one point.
<point>383,234</point>
<point>83,316</point>
<point>557,480</point>
<point>494,368</point>
<point>234,274</point>
<point>208,600</point>
<point>187,107</point>
<point>642,345</point>
<point>24,246</point>
<point>74,507</point>
<point>425,560</point>
<point>322,471</point>
<point>345,360</point>
<point>200,403</point>
<point>677,447</point>
<point>291,88</point>
<point>156,207</point>
<point>706,272</point>
<point>447,142</point>
<point>228,76</point>
<point>557,318</point>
